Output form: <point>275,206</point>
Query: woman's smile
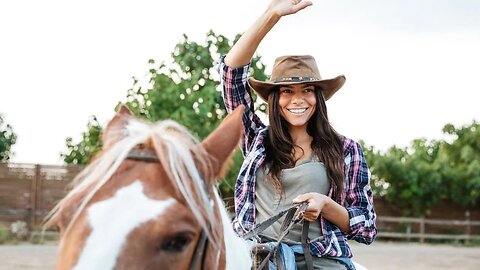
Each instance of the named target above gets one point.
<point>297,111</point>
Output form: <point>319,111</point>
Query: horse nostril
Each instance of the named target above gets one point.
<point>177,242</point>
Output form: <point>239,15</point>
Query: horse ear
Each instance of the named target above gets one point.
<point>114,130</point>
<point>221,143</point>
<point>123,110</point>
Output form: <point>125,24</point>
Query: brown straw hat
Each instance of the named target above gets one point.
<point>295,69</point>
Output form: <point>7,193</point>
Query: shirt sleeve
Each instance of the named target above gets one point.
<point>359,198</point>
<point>236,91</point>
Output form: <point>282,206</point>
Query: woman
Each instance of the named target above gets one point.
<point>299,157</point>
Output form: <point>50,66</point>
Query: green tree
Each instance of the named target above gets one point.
<point>82,152</point>
<point>416,178</point>
<point>7,139</point>
<point>183,88</point>
<point>186,88</point>
<point>405,177</point>
<point>459,162</point>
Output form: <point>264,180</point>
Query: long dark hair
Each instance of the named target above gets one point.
<point>326,144</point>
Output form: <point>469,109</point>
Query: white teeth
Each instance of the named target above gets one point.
<point>297,111</point>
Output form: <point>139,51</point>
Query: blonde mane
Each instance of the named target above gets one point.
<point>174,146</point>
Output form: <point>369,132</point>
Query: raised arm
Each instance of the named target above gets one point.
<point>243,51</point>
<point>234,67</point>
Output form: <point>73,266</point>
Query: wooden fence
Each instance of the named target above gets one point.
<point>29,191</point>
<point>420,232</point>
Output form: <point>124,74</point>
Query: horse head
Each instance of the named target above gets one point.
<point>149,201</point>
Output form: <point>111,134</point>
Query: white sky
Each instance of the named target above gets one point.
<point>411,66</point>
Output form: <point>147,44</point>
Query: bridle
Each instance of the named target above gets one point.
<point>201,247</point>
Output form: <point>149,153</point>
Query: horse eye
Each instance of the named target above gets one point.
<point>176,243</point>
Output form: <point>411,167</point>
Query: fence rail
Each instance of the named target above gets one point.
<point>422,235</point>
<point>29,191</point>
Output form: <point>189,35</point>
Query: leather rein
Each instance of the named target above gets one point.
<point>199,258</point>
<point>293,216</point>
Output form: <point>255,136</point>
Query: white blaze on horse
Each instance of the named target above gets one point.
<point>149,201</point>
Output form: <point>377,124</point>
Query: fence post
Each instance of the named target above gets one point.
<point>33,201</point>
<point>35,195</point>
<point>468,228</point>
<point>422,229</point>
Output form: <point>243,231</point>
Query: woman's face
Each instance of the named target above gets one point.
<point>297,103</point>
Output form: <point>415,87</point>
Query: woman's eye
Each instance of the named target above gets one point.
<point>176,243</point>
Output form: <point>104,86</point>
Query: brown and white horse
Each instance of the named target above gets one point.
<point>149,201</point>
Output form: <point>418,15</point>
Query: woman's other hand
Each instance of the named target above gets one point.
<point>287,7</point>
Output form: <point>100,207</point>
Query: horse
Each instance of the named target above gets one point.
<point>149,201</point>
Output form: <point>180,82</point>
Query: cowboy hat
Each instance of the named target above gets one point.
<point>295,69</point>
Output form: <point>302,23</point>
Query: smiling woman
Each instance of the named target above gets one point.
<point>298,158</point>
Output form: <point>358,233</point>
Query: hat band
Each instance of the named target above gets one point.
<point>295,79</point>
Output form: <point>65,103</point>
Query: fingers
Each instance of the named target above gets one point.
<point>298,199</point>
<point>310,216</point>
<point>302,198</point>
<point>301,5</point>
<point>287,7</point>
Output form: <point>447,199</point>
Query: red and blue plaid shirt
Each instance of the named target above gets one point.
<point>357,196</point>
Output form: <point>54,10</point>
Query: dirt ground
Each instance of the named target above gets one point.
<point>380,255</point>
<point>415,256</point>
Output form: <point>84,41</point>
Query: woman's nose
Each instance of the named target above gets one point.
<point>298,99</point>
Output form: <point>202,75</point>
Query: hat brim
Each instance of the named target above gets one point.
<point>329,86</point>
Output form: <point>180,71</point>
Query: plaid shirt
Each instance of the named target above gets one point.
<point>357,196</point>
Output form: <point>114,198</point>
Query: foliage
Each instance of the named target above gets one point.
<point>4,233</point>
<point>7,139</point>
<point>82,152</point>
<point>460,164</point>
<point>406,177</point>
<point>184,89</point>
<point>415,178</point>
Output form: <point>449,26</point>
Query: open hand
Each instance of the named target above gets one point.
<point>287,7</point>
